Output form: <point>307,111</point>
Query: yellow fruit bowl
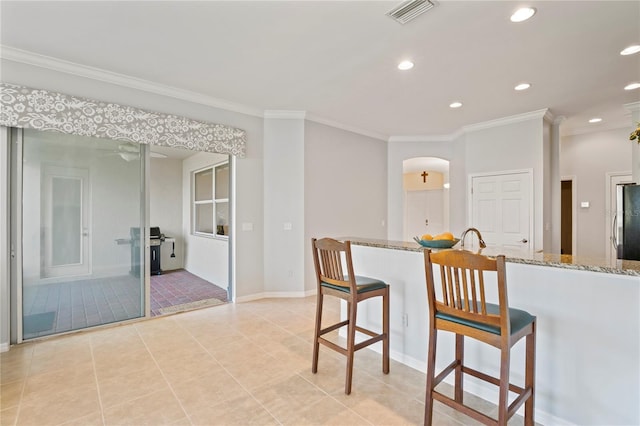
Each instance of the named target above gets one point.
<point>437,243</point>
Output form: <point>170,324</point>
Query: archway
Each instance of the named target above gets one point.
<point>426,196</point>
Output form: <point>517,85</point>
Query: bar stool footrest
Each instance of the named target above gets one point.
<point>523,394</point>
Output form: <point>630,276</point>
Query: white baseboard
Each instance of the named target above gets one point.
<point>4,347</point>
<point>414,363</point>
<point>488,393</point>
<point>479,389</point>
<point>275,295</point>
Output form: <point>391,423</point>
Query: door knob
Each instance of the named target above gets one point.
<point>524,240</point>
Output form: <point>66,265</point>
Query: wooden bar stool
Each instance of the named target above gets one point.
<point>458,304</point>
<point>329,256</point>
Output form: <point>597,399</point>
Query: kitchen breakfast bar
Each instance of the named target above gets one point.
<point>588,336</point>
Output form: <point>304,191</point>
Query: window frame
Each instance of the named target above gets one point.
<point>214,202</point>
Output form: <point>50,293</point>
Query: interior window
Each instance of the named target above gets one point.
<point>211,201</point>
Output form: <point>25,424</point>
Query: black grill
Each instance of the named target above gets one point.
<point>155,243</point>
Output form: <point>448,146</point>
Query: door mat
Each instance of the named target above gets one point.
<point>191,305</point>
<point>37,323</point>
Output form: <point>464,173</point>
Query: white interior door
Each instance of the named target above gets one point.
<point>65,207</point>
<point>501,209</point>
<point>424,213</point>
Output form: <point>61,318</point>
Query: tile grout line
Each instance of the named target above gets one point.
<point>24,385</point>
<point>173,392</point>
<point>333,398</point>
<point>266,319</point>
<point>95,376</point>
<point>229,373</point>
<point>363,371</point>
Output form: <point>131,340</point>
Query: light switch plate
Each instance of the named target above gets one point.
<point>247,226</point>
<point>584,204</point>
<point>288,226</point>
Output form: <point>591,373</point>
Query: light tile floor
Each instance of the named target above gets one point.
<point>232,364</point>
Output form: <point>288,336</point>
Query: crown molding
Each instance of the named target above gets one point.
<point>559,120</point>
<point>284,114</point>
<point>427,138</point>
<point>583,130</point>
<point>55,64</point>
<point>72,68</point>
<point>352,129</point>
<point>633,106</point>
<point>541,113</point>
<point>544,114</point>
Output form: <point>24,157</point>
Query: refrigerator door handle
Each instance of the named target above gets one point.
<point>614,238</point>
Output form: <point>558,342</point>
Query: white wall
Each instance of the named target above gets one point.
<point>589,157</point>
<point>634,107</point>
<point>511,146</point>
<point>249,245</point>
<point>451,150</point>
<point>165,205</point>
<point>284,204</point>
<point>555,186</point>
<point>513,143</point>
<point>550,180</point>
<point>345,187</point>
<point>206,257</point>
<point>249,204</point>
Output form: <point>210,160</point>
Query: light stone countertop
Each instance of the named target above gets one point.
<point>622,267</point>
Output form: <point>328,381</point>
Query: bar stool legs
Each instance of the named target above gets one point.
<point>331,258</point>
<point>460,307</point>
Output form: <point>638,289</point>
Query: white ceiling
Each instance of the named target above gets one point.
<point>337,60</point>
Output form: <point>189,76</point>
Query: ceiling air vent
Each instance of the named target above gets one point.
<point>409,10</point>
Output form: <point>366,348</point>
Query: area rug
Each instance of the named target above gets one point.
<point>37,323</point>
<point>191,305</point>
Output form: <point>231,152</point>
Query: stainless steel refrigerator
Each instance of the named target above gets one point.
<point>626,222</point>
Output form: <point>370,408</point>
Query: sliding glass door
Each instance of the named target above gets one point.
<point>82,202</point>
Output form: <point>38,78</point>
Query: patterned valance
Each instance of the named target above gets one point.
<point>43,110</point>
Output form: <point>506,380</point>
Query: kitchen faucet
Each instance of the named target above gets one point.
<point>480,240</point>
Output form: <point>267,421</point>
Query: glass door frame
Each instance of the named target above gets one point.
<point>16,309</point>
<point>145,176</point>
<point>5,240</point>
<point>15,141</point>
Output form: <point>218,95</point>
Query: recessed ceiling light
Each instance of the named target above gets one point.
<point>632,86</point>
<point>522,86</point>
<point>523,14</point>
<point>595,120</point>
<point>630,50</point>
<point>405,65</point>
<point>455,104</point>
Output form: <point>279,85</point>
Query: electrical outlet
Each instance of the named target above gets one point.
<point>290,273</point>
<point>405,320</point>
